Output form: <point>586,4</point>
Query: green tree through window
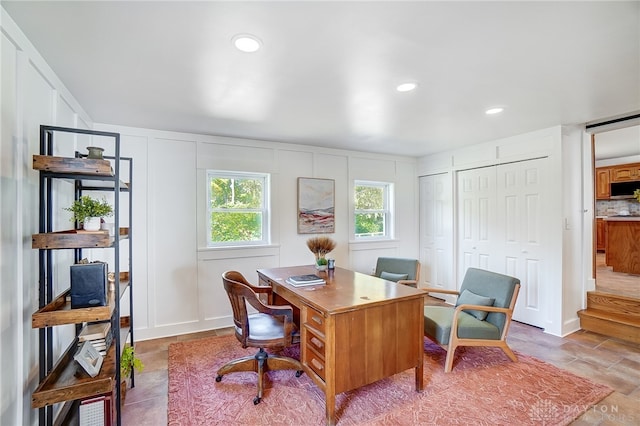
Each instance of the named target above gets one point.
<point>372,211</point>
<point>237,208</point>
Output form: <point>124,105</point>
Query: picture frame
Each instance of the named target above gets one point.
<point>316,206</point>
<point>89,358</point>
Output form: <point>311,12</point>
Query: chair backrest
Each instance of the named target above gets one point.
<point>398,265</point>
<point>502,288</point>
<point>239,293</point>
<point>273,326</point>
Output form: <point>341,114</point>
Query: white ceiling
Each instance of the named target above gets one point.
<point>327,71</point>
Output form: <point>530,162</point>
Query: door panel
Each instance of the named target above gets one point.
<point>476,219</point>
<point>500,222</point>
<point>519,200</point>
<point>436,231</point>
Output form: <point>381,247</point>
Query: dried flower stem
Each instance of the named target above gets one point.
<point>320,246</point>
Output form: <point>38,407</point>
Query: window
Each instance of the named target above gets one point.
<point>237,208</point>
<point>372,213</point>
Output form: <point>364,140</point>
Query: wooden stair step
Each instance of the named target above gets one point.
<point>616,325</point>
<point>614,304</point>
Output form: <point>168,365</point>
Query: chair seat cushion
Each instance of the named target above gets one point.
<point>264,327</point>
<point>469,298</point>
<point>390,276</point>
<point>437,325</point>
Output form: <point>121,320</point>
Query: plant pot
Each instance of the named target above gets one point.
<point>95,152</point>
<point>321,267</point>
<point>91,224</point>
<point>123,392</point>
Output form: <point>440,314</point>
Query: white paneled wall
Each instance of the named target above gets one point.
<point>177,284</point>
<point>31,95</point>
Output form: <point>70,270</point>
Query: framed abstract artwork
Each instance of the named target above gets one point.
<point>316,205</point>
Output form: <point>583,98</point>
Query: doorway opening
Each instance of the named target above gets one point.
<point>612,151</point>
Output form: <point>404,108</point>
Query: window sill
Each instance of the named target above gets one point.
<point>372,244</point>
<point>229,252</point>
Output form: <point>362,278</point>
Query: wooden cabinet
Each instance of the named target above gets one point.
<point>601,234</point>
<point>62,381</point>
<point>623,254</point>
<point>625,172</point>
<point>603,187</point>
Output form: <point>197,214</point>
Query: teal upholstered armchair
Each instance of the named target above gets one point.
<point>481,316</point>
<point>400,270</point>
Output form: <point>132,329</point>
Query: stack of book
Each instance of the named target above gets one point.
<point>302,280</point>
<point>98,334</point>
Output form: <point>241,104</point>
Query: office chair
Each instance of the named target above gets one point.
<point>271,327</point>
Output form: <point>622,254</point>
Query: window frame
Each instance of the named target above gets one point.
<point>264,210</point>
<point>388,210</point>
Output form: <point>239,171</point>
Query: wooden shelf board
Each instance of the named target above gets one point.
<point>70,239</point>
<point>67,381</point>
<point>75,238</point>
<point>59,311</point>
<point>72,166</point>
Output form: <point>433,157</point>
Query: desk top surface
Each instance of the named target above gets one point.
<point>344,290</point>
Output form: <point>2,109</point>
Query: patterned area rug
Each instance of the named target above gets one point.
<point>484,388</point>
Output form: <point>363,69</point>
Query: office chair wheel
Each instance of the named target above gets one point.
<point>256,400</point>
<point>299,373</point>
<point>218,378</point>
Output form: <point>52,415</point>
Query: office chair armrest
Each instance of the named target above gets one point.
<point>456,313</point>
<point>440,290</point>
<point>260,289</point>
<point>281,310</point>
<point>274,310</point>
<point>482,308</point>
<point>286,312</point>
<point>410,283</point>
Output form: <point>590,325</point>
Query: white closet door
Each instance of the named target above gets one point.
<point>436,231</point>
<point>501,222</point>
<point>520,212</point>
<point>476,220</point>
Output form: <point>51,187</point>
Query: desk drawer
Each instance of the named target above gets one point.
<point>315,362</point>
<point>314,351</point>
<point>314,319</point>
<point>315,342</point>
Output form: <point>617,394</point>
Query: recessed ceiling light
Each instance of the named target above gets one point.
<point>406,87</point>
<point>494,110</point>
<point>246,43</point>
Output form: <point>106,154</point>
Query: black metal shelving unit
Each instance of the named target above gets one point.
<point>57,382</point>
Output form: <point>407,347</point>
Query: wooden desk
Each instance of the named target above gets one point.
<point>355,330</point>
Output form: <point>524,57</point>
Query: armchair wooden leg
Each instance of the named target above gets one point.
<point>448,363</point>
<point>507,350</point>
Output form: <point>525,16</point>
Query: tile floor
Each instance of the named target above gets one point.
<point>602,359</point>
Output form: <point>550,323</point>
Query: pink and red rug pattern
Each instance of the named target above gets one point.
<point>485,387</point>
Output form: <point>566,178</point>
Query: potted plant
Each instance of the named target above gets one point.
<point>89,211</point>
<point>128,363</point>
<point>320,246</point>
<point>321,264</point>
